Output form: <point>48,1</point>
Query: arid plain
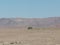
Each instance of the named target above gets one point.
<point>22,36</point>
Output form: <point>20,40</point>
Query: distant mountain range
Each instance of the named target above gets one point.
<point>33,22</point>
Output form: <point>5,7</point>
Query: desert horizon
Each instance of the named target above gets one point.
<point>29,22</point>
<point>21,31</point>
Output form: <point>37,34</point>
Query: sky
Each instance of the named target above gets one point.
<point>29,8</point>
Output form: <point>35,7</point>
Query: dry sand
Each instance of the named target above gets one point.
<point>17,36</point>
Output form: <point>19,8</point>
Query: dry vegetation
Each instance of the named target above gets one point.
<point>17,36</point>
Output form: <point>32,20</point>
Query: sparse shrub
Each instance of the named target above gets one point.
<point>12,43</point>
<point>29,27</point>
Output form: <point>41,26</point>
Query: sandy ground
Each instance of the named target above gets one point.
<point>18,36</point>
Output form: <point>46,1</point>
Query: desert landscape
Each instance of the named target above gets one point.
<point>30,31</point>
<point>29,22</point>
<point>17,36</point>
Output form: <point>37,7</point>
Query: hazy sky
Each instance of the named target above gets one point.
<point>29,8</point>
